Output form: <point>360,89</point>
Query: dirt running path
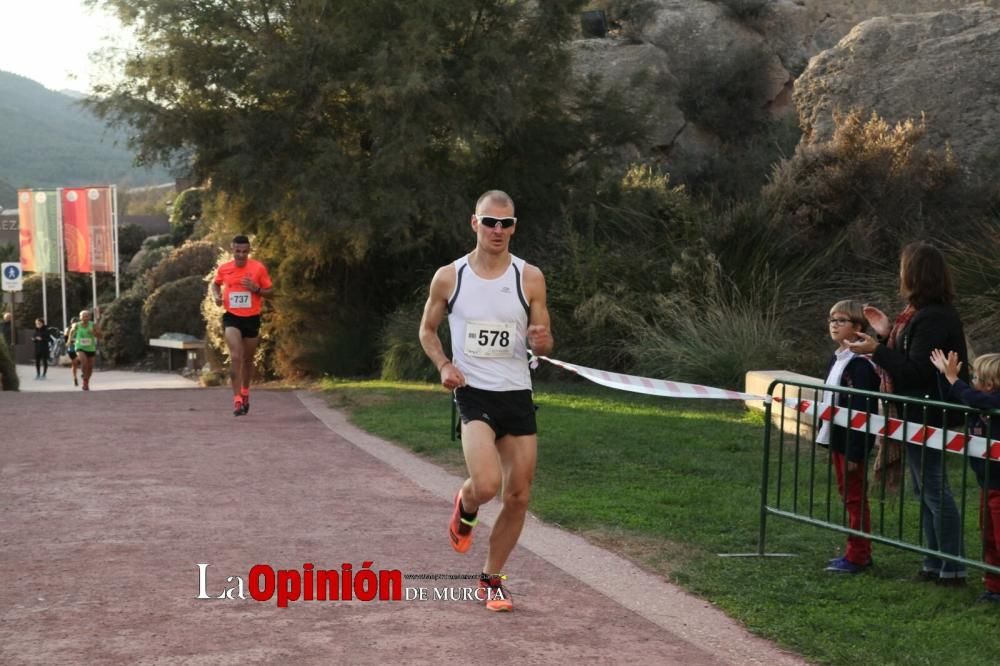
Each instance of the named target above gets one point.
<point>111,499</point>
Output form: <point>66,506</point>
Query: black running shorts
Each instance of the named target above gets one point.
<point>507,412</point>
<point>249,327</point>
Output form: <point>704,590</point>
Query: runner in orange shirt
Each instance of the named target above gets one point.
<point>240,286</point>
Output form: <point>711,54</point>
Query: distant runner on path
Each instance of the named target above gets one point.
<point>87,334</point>
<point>496,310</point>
<point>240,286</point>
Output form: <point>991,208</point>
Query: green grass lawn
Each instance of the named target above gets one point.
<point>672,484</point>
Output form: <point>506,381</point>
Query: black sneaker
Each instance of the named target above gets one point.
<point>238,407</point>
<point>246,404</point>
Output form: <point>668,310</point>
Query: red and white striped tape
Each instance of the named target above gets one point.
<point>904,431</point>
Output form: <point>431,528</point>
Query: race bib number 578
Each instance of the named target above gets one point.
<point>490,339</point>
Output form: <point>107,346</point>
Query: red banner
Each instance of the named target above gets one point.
<point>87,229</point>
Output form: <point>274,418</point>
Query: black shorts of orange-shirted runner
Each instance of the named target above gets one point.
<point>249,327</point>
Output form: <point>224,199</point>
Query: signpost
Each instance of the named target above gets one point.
<point>13,280</point>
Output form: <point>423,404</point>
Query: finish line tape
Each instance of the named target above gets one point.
<point>649,386</point>
<point>904,431</point>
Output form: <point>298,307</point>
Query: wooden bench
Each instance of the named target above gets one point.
<point>192,348</point>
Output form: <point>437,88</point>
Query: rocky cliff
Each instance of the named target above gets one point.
<point>688,44</point>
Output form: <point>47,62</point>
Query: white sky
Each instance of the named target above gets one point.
<point>50,41</point>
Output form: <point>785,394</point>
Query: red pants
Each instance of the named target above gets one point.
<point>989,520</point>
<point>859,550</point>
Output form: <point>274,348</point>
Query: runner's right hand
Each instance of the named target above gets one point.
<point>451,377</point>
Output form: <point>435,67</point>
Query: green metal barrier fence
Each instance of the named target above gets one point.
<point>798,481</point>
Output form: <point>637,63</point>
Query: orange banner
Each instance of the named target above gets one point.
<point>87,229</point>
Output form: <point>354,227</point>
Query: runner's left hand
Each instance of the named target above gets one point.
<point>539,339</point>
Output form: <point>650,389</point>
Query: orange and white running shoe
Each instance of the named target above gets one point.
<point>460,529</point>
<point>494,593</point>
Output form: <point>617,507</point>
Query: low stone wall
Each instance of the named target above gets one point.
<point>758,381</point>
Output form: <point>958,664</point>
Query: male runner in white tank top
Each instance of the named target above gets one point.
<point>496,310</point>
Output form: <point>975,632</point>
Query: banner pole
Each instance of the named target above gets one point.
<point>93,279</point>
<point>13,328</point>
<point>45,301</point>
<point>62,256</point>
<point>114,236</point>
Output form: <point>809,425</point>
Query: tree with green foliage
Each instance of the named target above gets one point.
<point>185,212</point>
<point>351,136</point>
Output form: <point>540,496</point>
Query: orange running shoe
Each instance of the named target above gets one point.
<point>495,595</point>
<point>237,406</point>
<point>460,529</point>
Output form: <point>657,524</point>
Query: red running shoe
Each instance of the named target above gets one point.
<point>460,529</point>
<point>495,595</point>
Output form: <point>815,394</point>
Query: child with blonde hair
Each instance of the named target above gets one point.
<point>983,394</point>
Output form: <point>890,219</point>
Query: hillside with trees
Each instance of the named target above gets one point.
<point>352,141</point>
<point>47,139</point>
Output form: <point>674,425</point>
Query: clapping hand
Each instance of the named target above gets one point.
<point>877,319</point>
<point>948,365</point>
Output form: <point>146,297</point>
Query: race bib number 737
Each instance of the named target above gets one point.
<point>239,300</point>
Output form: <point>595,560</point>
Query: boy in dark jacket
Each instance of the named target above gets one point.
<point>983,394</point>
<point>849,449</point>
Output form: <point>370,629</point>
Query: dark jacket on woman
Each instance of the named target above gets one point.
<point>909,364</point>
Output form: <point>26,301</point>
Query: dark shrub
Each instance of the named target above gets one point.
<point>727,97</point>
<point>399,345</point>
<point>175,308</point>
<point>604,266</point>
<point>147,258</point>
<point>8,371</point>
<point>872,182</point>
<point>745,10</point>
<point>121,324</point>
<point>130,238</point>
<point>193,258</point>
<point>79,295</point>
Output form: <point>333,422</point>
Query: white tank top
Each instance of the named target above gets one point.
<point>489,328</point>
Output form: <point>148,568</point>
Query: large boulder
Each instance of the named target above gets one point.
<point>829,21</point>
<point>621,63</point>
<point>703,36</point>
<point>944,65</point>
